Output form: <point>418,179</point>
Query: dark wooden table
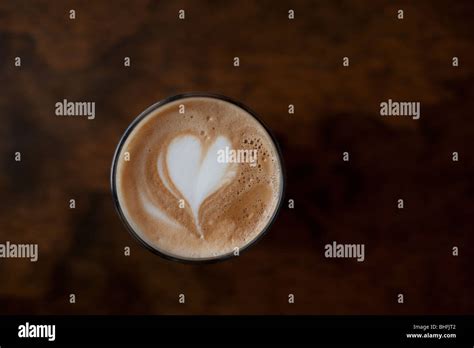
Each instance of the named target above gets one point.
<point>282,62</point>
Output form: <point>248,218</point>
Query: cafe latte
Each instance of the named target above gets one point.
<point>197,178</point>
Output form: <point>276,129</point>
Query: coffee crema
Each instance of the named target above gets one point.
<point>197,178</point>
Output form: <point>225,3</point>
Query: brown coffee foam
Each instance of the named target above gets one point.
<point>231,217</point>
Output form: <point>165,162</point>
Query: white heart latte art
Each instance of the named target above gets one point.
<point>195,173</point>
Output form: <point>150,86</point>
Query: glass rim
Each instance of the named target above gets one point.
<point>148,111</point>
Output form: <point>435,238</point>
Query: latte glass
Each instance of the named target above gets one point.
<point>154,247</point>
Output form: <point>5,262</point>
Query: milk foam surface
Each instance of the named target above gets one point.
<point>175,194</point>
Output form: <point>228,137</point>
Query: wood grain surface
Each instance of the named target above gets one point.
<point>282,62</point>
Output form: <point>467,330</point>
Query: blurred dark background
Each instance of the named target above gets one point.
<point>283,62</point>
